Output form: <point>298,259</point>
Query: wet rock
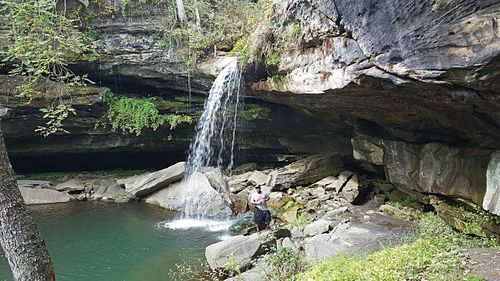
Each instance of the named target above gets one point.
<point>304,172</point>
<point>143,185</point>
<point>196,193</point>
<point>491,200</point>
<point>243,223</point>
<point>33,196</point>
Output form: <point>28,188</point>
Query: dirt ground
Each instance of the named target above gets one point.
<point>485,262</point>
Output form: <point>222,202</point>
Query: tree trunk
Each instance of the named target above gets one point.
<point>198,18</point>
<point>22,244</point>
<point>181,13</point>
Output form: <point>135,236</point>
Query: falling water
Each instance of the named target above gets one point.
<point>214,142</point>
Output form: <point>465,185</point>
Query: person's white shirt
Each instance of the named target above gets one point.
<point>256,197</point>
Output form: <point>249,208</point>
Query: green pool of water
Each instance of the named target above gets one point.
<point>105,241</point>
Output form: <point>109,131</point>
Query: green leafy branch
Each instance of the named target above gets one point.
<point>42,42</point>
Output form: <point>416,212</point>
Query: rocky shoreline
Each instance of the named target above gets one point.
<point>321,206</point>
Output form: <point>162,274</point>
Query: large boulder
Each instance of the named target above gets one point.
<point>317,227</point>
<point>195,196</point>
<point>257,178</point>
<point>242,250</point>
<point>304,171</point>
<point>33,196</point>
<point>365,150</point>
<point>346,238</point>
<point>491,200</point>
<point>143,185</point>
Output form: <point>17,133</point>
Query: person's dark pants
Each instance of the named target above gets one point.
<point>261,217</point>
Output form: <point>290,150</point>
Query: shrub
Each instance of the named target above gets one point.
<point>434,254</point>
<point>285,263</point>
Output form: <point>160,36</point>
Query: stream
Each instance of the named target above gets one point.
<point>113,241</point>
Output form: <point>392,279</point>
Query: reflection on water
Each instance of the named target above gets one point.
<point>106,241</point>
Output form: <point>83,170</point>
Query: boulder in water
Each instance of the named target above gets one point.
<point>113,192</point>
<point>143,185</point>
<point>34,196</point>
<point>195,195</point>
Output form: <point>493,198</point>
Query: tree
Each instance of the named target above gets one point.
<point>181,13</point>
<point>41,41</point>
<point>23,245</point>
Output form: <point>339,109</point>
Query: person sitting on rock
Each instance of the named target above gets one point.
<point>261,215</point>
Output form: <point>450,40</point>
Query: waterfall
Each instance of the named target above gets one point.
<point>214,142</point>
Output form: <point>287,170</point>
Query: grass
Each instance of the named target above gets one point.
<point>433,253</point>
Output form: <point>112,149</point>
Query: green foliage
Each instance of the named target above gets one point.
<point>55,115</point>
<point>285,263</point>
<point>232,266</point>
<point>255,111</point>
<point>222,23</point>
<point>133,115</point>
<point>282,40</point>
<point>303,219</point>
<point>244,50</point>
<point>433,254</point>
<point>42,41</point>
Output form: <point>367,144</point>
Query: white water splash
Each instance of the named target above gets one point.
<point>184,224</point>
<point>214,142</point>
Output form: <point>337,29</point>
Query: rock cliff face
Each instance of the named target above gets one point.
<point>419,71</point>
<point>421,76</point>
